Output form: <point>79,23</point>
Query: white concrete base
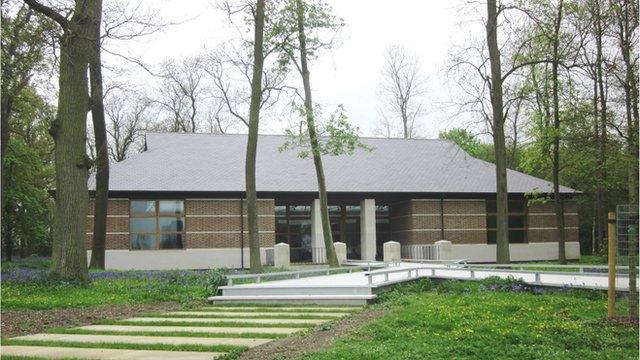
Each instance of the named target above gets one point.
<point>176,259</point>
<point>391,251</point>
<point>444,250</point>
<point>281,256</point>
<point>341,251</point>
<point>517,252</point>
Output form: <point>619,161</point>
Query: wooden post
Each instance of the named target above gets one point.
<point>611,304</point>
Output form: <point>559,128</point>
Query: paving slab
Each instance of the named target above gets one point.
<point>168,340</point>
<point>348,309</point>
<point>193,329</point>
<point>255,314</point>
<point>235,320</point>
<point>49,352</point>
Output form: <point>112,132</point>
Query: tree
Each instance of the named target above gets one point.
<point>24,50</point>
<point>127,123</point>
<point>464,139</point>
<point>402,89</point>
<point>100,134</point>
<point>252,140</point>
<point>303,17</point>
<point>497,126</point>
<point>69,133</point>
<point>626,14</point>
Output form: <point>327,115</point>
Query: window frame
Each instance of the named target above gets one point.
<point>524,214</point>
<point>157,215</point>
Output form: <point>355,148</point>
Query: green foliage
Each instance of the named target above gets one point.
<point>469,143</point>
<point>215,279</point>
<point>337,137</point>
<point>460,321</point>
<point>28,206</point>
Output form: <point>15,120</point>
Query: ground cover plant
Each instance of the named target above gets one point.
<point>491,319</point>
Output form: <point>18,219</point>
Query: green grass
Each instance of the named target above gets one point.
<point>124,345</point>
<point>165,333</point>
<point>203,323</point>
<point>38,296</point>
<point>465,320</point>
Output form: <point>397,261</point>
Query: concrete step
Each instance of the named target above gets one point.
<point>129,339</point>
<point>249,290</point>
<point>318,309</point>
<point>230,320</point>
<point>51,352</point>
<point>256,314</point>
<point>192,329</point>
<point>295,299</point>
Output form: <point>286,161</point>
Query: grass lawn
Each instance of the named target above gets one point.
<point>465,320</point>
<point>44,294</point>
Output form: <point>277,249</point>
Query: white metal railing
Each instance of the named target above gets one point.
<point>312,272</point>
<point>385,274</point>
<point>419,252</point>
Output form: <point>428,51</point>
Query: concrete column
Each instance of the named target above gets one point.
<point>281,255</point>
<point>368,229</point>
<point>341,251</point>
<point>317,238</point>
<point>444,249</point>
<point>391,251</point>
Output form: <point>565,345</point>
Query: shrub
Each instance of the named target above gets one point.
<point>214,279</point>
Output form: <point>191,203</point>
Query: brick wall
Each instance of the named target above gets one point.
<point>419,221</point>
<point>209,223</point>
<point>215,223</point>
<point>465,221</point>
<point>415,221</point>
<point>541,221</point>
<point>117,224</point>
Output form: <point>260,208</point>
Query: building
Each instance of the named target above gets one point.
<point>178,204</point>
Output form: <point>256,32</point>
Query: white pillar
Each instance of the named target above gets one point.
<point>317,237</point>
<point>368,229</point>
<point>444,250</point>
<point>281,255</point>
<point>391,251</point>
<point>341,251</point>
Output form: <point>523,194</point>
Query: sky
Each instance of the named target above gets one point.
<point>350,73</point>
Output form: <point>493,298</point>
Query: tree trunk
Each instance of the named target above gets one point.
<point>502,225</point>
<point>102,148</point>
<point>602,161</point>
<point>69,131</point>
<point>627,21</point>
<point>252,141</point>
<point>5,110</point>
<point>313,139</point>
<point>556,140</point>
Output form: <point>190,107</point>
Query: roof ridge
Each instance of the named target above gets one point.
<point>284,135</point>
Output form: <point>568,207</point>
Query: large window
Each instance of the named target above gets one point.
<point>517,211</point>
<point>156,224</point>
<point>293,226</point>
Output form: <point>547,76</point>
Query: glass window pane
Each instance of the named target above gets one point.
<point>516,221</point>
<point>142,225</point>
<point>353,210</point>
<point>143,241</point>
<point>171,241</point>
<point>281,211</point>
<point>171,206</point>
<point>168,224</point>
<point>143,207</point>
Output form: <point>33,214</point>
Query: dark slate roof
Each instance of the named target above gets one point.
<point>215,163</point>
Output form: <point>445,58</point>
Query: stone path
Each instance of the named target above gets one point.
<point>159,336</point>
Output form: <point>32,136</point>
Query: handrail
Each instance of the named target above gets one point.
<point>297,273</point>
<point>580,267</point>
<point>371,274</point>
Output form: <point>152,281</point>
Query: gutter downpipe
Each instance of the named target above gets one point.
<point>242,232</point>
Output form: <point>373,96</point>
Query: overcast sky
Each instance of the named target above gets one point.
<point>350,73</point>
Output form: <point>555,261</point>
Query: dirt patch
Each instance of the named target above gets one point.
<point>23,322</point>
<point>320,337</point>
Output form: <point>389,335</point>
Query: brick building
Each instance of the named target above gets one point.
<point>179,203</point>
